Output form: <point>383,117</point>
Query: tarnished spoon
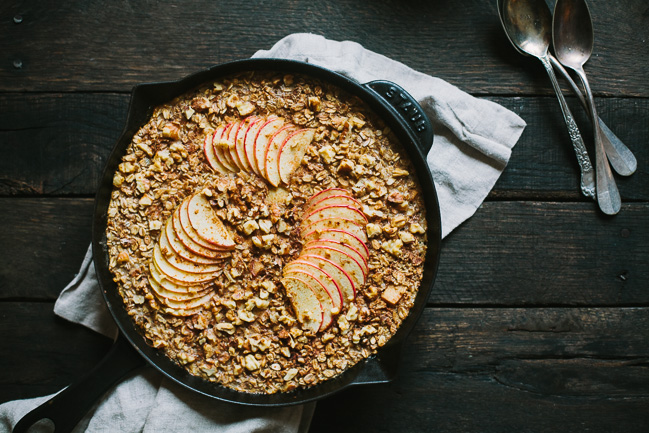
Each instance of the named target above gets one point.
<point>619,155</point>
<point>621,158</point>
<point>573,45</point>
<point>528,26</point>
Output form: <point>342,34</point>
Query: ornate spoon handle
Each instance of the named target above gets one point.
<point>622,159</point>
<point>587,172</point>
<point>608,196</point>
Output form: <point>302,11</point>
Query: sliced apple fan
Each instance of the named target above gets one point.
<point>188,256</point>
<point>269,147</point>
<point>320,283</point>
<point>332,265</point>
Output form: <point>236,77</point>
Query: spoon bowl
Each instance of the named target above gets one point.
<point>528,25</point>
<point>572,31</point>
<point>620,156</point>
<point>574,39</point>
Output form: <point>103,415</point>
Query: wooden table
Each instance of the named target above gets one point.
<point>539,317</point>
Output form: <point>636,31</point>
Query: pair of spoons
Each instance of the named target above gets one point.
<point>530,26</point>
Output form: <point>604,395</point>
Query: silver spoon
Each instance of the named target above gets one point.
<point>621,158</point>
<point>573,45</point>
<point>619,155</point>
<point>527,24</point>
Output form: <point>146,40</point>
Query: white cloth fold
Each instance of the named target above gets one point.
<point>148,403</point>
<point>472,145</point>
<point>81,301</point>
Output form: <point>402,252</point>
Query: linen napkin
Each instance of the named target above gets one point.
<point>472,145</point>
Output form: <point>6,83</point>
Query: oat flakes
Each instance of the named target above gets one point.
<point>246,335</point>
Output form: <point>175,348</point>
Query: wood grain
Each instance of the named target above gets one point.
<point>58,352</point>
<point>100,46</point>
<point>504,370</point>
<point>43,243</point>
<point>478,338</point>
<point>543,163</point>
<point>57,145</point>
<point>540,253</point>
<point>539,317</point>
<point>479,402</point>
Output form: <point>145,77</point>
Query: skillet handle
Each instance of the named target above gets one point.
<point>381,368</point>
<point>67,408</point>
<point>408,109</point>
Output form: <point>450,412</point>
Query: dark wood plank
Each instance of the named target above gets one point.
<point>43,243</point>
<point>57,352</point>
<point>108,47</point>
<point>477,402</point>
<point>508,253</point>
<point>466,340</point>
<point>539,317</point>
<point>513,253</point>
<point>57,144</point>
<point>502,370</point>
<point>543,163</point>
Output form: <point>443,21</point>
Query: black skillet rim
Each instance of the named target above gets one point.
<point>378,368</point>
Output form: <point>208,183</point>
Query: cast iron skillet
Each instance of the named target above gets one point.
<point>413,129</point>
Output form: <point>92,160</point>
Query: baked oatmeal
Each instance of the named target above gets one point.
<point>267,267</point>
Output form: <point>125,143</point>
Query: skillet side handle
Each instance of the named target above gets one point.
<point>381,368</point>
<point>408,109</point>
<point>67,408</point>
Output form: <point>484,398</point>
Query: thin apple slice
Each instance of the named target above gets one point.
<point>320,292</point>
<point>231,143</point>
<point>220,150</point>
<point>185,265</point>
<point>207,224</point>
<point>344,280</point>
<point>169,240</point>
<point>161,292</point>
<point>333,199</point>
<point>328,281</point>
<point>175,274</point>
<point>181,313</point>
<point>224,143</point>
<point>189,304</point>
<point>341,236</point>
<point>324,194</point>
<point>335,211</point>
<point>306,304</point>
<point>240,142</point>
<point>353,252</point>
<point>210,156</point>
<point>171,285</point>
<point>347,225</point>
<point>188,241</point>
<point>271,158</point>
<point>292,152</point>
<point>261,141</point>
<point>249,143</point>
<point>188,228</point>
<point>350,264</point>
